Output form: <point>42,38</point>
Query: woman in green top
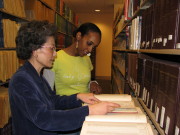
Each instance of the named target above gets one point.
<point>73,66</point>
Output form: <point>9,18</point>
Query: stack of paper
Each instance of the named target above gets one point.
<point>125,120</point>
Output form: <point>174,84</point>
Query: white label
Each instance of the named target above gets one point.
<point>147,44</point>
<point>138,89</point>
<point>156,40</point>
<point>155,107</point>
<point>167,125</point>
<point>178,46</point>
<point>170,37</point>
<point>143,93</point>
<point>160,40</point>
<point>157,113</point>
<point>162,116</point>
<point>147,99</point>
<point>135,88</point>
<point>164,41</point>
<point>151,105</point>
<point>176,131</point>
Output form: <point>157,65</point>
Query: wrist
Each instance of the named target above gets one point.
<point>92,82</point>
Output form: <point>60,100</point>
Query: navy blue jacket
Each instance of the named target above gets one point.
<point>37,110</point>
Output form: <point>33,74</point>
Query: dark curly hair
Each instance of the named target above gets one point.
<point>85,28</point>
<point>32,35</point>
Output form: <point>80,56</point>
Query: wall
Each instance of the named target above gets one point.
<point>104,50</point>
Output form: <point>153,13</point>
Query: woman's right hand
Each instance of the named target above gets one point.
<point>101,108</point>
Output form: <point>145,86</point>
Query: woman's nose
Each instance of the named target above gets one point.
<point>90,48</point>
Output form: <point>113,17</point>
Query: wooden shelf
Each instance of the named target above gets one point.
<point>152,117</point>
<point>155,51</point>
<point>15,17</point>
<point>143,6</point>
<point>137,103</point>
<point>116,80</point>
<point>5,49</point>
<point>161,51</point>
<point>121,70</point>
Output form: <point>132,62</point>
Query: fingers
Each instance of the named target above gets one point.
<point>112,106</point>
<point>110,109</point>
<point>115,105</point>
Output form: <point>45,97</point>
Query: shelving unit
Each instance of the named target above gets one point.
<point>144,5</point>
<point>151,116</point>
<point>157,69</point>
<point>34,10</point>
<point>9,63</point>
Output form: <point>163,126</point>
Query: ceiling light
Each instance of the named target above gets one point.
<point>97,10</point>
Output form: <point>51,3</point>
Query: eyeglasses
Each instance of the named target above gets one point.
<point>52,48</point>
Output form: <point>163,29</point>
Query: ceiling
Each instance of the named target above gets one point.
<point>88,6</point>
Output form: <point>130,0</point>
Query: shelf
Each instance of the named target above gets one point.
<point>152,117</point>
<point>4,83</point>
<point>47,5</point>
<point>5,49</point>
<point>20,19</point>
<point>155,51</point>
<point>118,81</point>
<point>143,6</point>
<point>137,103</point>
<point>118,18</point>
<point>122,71</point>
<point>161,51</point>
<point>65,19</point>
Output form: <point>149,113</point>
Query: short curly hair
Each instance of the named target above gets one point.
<point>32,35</point>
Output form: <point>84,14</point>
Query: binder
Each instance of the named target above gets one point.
<point>172,31</point>
<point>147,81</point>
<point>172,100</point>
<point>154,85</point>
<point>140,77</point>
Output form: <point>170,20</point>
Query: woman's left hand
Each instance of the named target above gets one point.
<point>95,88</point>
<point>88,98</point>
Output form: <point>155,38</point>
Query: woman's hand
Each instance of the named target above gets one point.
<point>102,108</point>
<point>88,98</point>
<point>95,87</point>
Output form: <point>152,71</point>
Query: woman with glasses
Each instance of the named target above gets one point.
<point>35,108</point>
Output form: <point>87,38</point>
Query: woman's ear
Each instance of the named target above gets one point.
<point>35,53</point>
<point>78,36</point>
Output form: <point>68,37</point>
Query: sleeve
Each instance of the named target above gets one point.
<point>32,105</point>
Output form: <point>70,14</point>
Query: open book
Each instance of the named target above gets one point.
<point>125,110</point>
<point>114,97</point>
<point>115,128</point>
<point>125,120</point>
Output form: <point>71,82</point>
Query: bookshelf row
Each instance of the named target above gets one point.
<point>148,44</point>
<point>12,15</point>
<point>154,81</point>
<point>157,27</point>
<point>149,51</point>
<point>60,14</point>
<point>125,15</point>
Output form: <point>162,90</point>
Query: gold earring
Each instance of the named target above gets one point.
<point>76,44</point>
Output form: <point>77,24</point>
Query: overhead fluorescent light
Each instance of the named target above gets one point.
<point>97,10</point>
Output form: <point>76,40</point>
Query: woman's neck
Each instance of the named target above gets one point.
<point>71,50</point>
<point>36,65</point>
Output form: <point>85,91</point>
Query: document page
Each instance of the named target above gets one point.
<point>116,128</point>
<point>114,97</point>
